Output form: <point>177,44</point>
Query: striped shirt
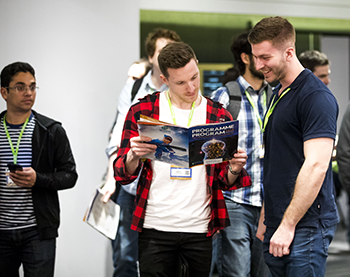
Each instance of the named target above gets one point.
<point>250,139</point>
<point>16,204</point>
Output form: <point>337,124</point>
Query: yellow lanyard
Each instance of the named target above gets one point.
<point>173,112</point>
<point>256,111</point>
<point>14,151</point>
<point>272,107</point>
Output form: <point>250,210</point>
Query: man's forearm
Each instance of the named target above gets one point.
<point>131,163</point>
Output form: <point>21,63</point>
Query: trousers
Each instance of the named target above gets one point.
<point>308,252</point>
<point>23,246</point>
<point>163,253</point>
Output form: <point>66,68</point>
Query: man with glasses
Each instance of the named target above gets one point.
<point>35,162</point>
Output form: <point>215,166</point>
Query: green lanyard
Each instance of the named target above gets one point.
<point>173,113</point>
<point>14,152</point>
<point>256,111</point>
<point>272,107</point>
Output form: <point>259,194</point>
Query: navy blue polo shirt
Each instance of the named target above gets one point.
<point>309,110</point>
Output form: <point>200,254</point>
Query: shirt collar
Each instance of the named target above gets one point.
<point>147,82</point>
<point>246,86</point>
<point>297,81</point>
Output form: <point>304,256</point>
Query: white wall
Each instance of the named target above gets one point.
<point>338,51</point>
<point>81,50</point>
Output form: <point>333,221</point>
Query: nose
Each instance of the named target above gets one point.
<point>191,86</point>
<point>327,81</point>
<point>258,64</point>
<point>28,90</point>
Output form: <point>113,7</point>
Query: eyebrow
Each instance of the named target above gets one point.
<point>22,83</point>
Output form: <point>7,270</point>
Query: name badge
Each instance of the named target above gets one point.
<point>180,173</point>
<point>9,181</point>
<point>261,151</point>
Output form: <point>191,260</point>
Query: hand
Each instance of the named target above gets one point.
<point>239,160</point>
<point>107,190</point>
<point>260,233</point>
<point>25,178</point>
<point>139,146</point>
<point>281,240</point>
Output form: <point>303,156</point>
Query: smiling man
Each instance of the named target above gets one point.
<point>29,207</point>
<point>300,128</point>
<point>175,217</point>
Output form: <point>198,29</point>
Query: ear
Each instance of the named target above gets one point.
<point>150,59</point>
<point>165,80</point>
<point>4,93</point>
<point>290,53</point>
<point>245,58</point>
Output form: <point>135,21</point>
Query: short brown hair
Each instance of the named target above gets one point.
<point>151,40</point>
<point>312,58</point>
<point>175,55</point>
<point>278,30</point>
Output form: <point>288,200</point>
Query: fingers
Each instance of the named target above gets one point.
<point>280,242</point>
<point>107,190</point>
<point>140,147</point>
<point>25,178</point>
<point>260,233</point>
<point>241,154</point>
<point>278,250</point>
<point>239,160</point>
<point>106,197</point>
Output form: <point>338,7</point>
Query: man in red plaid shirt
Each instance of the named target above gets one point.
<point>176,217</point>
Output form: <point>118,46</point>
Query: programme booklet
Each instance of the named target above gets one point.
<point>104,217</point>
<point>186,147</point>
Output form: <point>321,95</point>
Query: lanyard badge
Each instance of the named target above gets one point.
<point>179,172</point>
<point>11,167</point>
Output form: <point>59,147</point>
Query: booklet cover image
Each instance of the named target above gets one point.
<point>213,143</point>
<point>171,141</point>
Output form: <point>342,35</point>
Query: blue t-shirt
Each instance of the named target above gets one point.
<point>309,110</point>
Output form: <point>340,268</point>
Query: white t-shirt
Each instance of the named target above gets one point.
<point>178,205</point>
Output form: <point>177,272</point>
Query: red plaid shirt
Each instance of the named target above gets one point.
<point>216,174</point>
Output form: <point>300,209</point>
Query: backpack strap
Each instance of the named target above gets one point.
<point>234,92</point>
<point>269,93</point>
<point>136,87</point>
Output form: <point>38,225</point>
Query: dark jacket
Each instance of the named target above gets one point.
<point>53,161</point>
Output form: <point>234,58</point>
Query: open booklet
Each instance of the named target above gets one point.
<point>104,217</point>
<point>186,147</point>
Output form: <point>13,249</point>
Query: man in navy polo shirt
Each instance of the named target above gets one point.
<point>300,128</point>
